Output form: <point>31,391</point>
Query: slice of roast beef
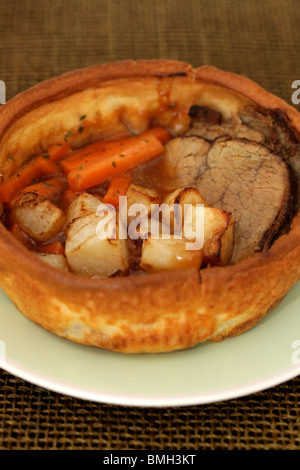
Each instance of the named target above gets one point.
<point>243,177</point>
<point>232,127</point>
<point>274,125</point>
<point>210,125</point>
<point>269,127</point>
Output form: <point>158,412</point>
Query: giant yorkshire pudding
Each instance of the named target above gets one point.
<point>243,129</point>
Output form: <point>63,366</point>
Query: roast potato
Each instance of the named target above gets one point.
<point>38,217</point>
<point>178,199</point>
<point>82,205</point>
<point>56,260</point>
<point>89,255</point>
<point>218,236</point>
<point>139,195</point>
<point>160,254</point>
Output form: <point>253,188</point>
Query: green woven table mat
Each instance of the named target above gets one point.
<point>39,40</point>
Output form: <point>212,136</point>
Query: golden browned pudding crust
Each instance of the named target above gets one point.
<point>157,312</point>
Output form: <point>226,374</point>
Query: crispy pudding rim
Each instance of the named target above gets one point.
<point>282,257</point>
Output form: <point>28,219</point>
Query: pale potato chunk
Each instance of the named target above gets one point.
<point>140,195</point>
<point>218,236</point>
<point>214,229</point>
<point>168,254</point>
<point>82,205</point>
<point>206,233</point>
<point>183,196</point>
<point>56,260</point>
<point>38,217</point>
<point>214,245</point>
<point>89,255</point>
<point>179,199</point>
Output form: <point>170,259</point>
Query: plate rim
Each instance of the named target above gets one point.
<point>156,398</point>
<point>226,394</point>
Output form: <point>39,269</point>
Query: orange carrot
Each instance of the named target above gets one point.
<point>68,197</point>
<point>117,159</point>
<point>49,189</point>
<point>46,166</point>
<point>81,156</point>
<point>119,136</point>
<point>117,187</point>
<point>25,175</point>
<point>55,248</point>
<point>95,150</point>
<point>161,133</point>
<point>57,151</point>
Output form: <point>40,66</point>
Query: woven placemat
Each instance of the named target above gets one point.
<point>257,39</point>
<point>41,40</point>
<point>34,418</point>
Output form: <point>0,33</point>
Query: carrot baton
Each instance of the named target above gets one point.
<point>161,133</point>
<point>49,189</point>
<point>115,161</point>
<point>117,136</point>
<point>46,167</point>
<point>68,197</point>
<point>55,248</point>
<point>26,175</point>
<point>80,156</point>
<point>96,150</point>
<point>58,151</point>
<point>89,153</point>
<point>117,187</point>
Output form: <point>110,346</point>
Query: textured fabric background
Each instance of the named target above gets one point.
<point>259,39</point>
<point>39,40</point>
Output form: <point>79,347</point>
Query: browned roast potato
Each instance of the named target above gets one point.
<point>160,254</point>
<point>89,255</point>
<point>38,217</point>
<point>82,205</point>
<point>56,260</point>
<point>139,195</point>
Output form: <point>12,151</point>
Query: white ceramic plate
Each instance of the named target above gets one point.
<point>265,356</point>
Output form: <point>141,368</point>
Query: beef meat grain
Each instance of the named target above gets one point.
<point>243,177</point>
